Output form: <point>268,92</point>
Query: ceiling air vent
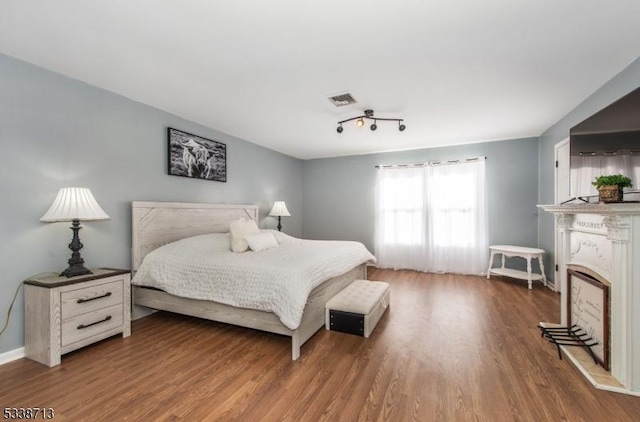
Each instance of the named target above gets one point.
<point>342,100</point>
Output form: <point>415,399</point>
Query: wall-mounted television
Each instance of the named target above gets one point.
<point>607,143</point>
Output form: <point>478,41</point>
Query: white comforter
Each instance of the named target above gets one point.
<point>277,280</point>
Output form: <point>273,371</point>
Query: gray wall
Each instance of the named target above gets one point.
<point>339,193</point>
<point>625,82</point>
<point>56,132</point>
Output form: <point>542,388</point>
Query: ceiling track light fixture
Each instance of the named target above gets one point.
<point>368,114</point>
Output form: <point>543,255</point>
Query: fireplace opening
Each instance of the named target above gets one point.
<point>588,308</point>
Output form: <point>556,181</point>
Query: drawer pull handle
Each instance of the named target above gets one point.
<point>82,300</point>
<point>81,326</point>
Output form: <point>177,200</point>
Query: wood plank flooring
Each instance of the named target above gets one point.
<point>450,348</point>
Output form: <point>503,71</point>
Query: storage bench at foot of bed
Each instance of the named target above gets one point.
<point>358,307</point>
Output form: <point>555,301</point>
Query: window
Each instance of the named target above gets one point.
<point>401,206</point>
<point>432,218</point>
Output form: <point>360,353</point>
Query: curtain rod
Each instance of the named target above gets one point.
<point>430,163</point>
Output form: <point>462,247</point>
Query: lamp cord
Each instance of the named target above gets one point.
<point>6,324</point>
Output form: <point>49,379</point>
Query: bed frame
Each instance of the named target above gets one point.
<point>157,223</point>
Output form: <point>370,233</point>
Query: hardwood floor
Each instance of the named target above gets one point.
<point>450,348</point>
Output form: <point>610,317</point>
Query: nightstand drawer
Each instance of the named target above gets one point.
<point>89,324</point>
<point>88,299</point>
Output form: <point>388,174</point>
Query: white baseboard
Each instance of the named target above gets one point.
<point>11,355</point>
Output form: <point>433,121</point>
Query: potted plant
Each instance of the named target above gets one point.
<point>610,187</point>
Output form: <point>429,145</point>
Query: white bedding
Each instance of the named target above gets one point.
<point>276,280</point>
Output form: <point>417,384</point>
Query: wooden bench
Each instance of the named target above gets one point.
<point>509,251</point>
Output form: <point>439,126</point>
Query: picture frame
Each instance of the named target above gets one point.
<point>196,157</point>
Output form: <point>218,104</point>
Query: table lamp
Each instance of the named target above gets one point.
<point>74,204</point>
<point>279,210</point>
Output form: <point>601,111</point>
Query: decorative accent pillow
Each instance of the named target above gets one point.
<point>261,242</point>
<point>239,230</point>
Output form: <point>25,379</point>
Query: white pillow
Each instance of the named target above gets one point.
<point>261,242</point>
<point>238,230</point>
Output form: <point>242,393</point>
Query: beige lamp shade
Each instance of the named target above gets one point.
<point>74,203</point>
<point>279,210</point>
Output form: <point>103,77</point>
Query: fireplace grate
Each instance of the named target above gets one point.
<point>569,336</point>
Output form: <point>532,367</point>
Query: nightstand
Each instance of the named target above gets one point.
<point>64,314</point>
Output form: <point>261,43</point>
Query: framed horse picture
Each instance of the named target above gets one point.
<point>197,157</point>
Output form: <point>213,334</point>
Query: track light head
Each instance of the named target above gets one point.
<point>360,122</point>
<point>340,129</point>
<point>374,126</point>
<point>401,126</point>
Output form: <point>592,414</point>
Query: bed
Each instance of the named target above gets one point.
<point>155,224</point>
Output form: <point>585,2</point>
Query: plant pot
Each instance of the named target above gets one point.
<point>610,193</point>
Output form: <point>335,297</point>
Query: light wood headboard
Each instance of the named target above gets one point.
<point>157,223</point>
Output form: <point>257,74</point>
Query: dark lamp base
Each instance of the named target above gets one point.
<point>74,270</point>
<point>76,262</point>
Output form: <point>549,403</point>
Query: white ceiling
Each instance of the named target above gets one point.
<point>457,71</point>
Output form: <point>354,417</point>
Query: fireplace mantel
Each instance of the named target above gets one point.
<point>605,238</point>
<point>628,208</point>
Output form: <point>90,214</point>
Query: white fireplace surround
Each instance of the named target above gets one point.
<point>606,239</point>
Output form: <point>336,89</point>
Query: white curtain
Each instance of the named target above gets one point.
<point>400,217</point>
<point>433,218</point>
